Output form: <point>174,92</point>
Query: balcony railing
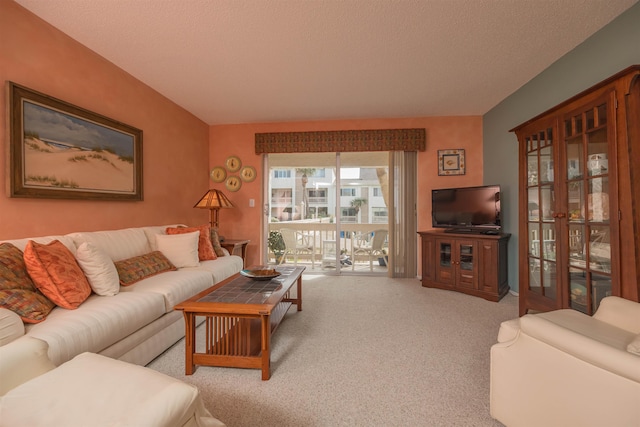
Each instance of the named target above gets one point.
<point>320,200</point>
<point>319,231</point>
<point>281,201</point>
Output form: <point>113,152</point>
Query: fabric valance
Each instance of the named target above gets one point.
<point>341,141</point>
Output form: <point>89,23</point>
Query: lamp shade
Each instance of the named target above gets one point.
<point>214,199</point>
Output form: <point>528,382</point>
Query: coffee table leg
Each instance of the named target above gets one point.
<point>266,346</point>
<point>299,303</point>
<point>189,342</point>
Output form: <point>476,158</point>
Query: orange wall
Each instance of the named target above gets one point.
<point>442,133</point>
<point>175,143</point>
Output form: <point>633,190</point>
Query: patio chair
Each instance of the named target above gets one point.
<point>296,243</point>
<point>369,244</point>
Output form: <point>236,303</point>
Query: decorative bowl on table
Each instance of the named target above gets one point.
<point>260,273</point>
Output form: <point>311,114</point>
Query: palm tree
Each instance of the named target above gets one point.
<point>304,180</point>
<point>358,203</point>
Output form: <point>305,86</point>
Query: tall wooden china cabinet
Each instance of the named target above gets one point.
<point>579,199</point>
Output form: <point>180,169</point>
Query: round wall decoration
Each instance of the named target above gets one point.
<point>248,173</point>
<point>218,174</point>
<point>233,163</point>
<point>233,183</point>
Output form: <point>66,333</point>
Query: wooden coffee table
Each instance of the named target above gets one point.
<point>240,315</point>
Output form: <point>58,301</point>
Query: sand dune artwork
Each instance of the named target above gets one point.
<point>72,153</point>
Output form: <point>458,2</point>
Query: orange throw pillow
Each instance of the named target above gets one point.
<point>56,273</point>
<point>205,248</point>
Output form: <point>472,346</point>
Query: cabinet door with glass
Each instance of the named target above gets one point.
<point>466,264</point>
<point>445,265</point>
<point>540,283</point>
<point>457,266</point>
<point>590,177</point>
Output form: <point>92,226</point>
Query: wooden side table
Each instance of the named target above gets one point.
<point>236,247</point>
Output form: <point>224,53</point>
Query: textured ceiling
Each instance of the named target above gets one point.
<point>247,61</point>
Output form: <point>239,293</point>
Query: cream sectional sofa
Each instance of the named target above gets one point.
<point>135,325</point>
<point>564,368</point>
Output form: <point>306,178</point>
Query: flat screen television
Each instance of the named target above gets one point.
<point>467,209</point>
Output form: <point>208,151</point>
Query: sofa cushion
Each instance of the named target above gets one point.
<point>23,360</point>
<point>118,244</point>
<point>99,269</point>
<point>17,291</point>
<point>152,230</point>
<point>223,267</point>
<point>56,273</point>
<point>133,396</point>
<point>174,286</point>
<point>588,339</point>
<point>11,327</point>
<point>180,249</point>
<point>205,248</point>
<point>97,324</point>
<point>22,243</point>
<point>134,269</point>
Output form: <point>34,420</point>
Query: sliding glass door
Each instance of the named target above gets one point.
<point>329,211</point>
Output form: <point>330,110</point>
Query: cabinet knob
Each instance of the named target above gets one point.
<point>559,215</point>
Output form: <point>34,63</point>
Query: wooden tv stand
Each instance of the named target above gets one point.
<point>474,264</point>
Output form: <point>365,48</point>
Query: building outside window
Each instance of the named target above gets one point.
<point>282,173</point>
<point>317,196</point>
<point>379,215</point>
<point>281,196</point>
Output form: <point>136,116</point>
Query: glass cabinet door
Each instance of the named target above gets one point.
<point>445,254</point>
<point>466,257</point>
<point>587,144</point>
<point>541,207</point>
<point>465,274</point>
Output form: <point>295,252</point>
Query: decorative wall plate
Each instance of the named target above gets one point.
<point>248,173</point>
<point>218,174</point>
<point>233,183</point>
<point>233,163</point>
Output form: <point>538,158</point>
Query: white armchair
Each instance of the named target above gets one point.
<point>564,368</point>
<point>369,244</point>
<point>296,243</point>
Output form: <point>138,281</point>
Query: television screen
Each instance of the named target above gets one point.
<point>471,209</point>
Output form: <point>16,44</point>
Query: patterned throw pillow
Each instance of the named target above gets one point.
<point>132,270</point>
<point>215,242</point>
<point>56,273</point>
<point>17,291</point>
<point>205,248</point>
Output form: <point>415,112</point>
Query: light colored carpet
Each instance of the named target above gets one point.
<point>365,351</point>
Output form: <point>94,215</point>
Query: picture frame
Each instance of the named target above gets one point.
<point>58,150</point>
<point>451,162</point>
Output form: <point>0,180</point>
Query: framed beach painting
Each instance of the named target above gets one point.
<point>60,151</point>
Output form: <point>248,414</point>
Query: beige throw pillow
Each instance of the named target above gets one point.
<point>180,249</point>
<point>99,269</point>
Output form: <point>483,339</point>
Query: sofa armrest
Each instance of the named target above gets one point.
<point>21,361</point>
<point>620,312</point>
<point>600,354</point>
<point>509,330</point>
<point>11,326</point>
